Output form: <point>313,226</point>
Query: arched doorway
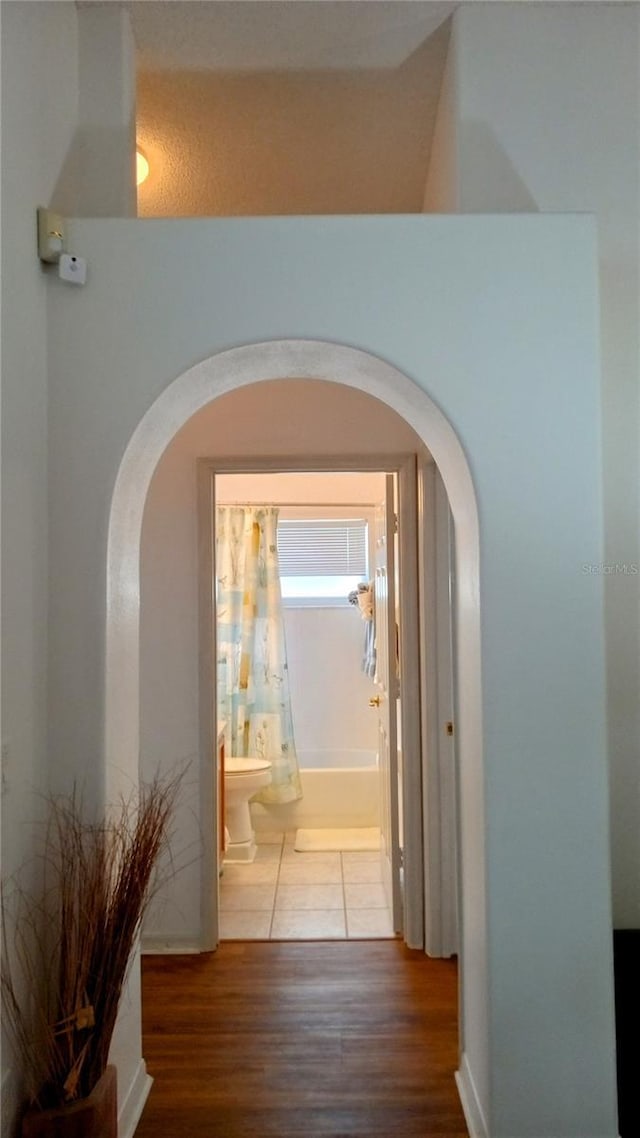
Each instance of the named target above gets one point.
<point>202,385</point>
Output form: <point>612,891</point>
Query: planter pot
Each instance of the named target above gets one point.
<point>92,1117</point>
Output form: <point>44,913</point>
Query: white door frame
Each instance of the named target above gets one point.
<point>404,465</point>
<point>435,539</point>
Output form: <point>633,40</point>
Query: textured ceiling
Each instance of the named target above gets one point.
<point>283,35</point>
<point>298,107</point>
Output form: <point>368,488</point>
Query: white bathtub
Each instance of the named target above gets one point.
<point>340,788</point>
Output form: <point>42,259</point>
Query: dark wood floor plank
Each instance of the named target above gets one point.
<point>350,1039</point>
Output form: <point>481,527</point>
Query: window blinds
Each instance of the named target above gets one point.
<point>322,547</point>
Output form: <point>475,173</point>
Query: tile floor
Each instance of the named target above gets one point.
<point>284,895</point>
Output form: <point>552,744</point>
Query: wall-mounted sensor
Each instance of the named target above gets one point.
<point>72,269</point>
<point>50,235</point>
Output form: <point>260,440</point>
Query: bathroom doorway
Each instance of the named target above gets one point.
<point>315,868</point>
<point>305,417</point>
<point>341,893</point>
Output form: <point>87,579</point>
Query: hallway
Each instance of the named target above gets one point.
<point>355,1039</point>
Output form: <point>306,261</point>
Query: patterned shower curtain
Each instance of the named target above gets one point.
<point>253,679</point>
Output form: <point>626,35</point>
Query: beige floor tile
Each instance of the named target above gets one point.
<point>362,872</point>
<point>288,925</point>
<point>369,923</point>
<point>357,857</point>
<point>310,897</point>
<point>332,857</point>
<point>268,852</point>
<point>255,873</point>
<point>365,896</point>
<point>269,837</point>
<point>245,926</point>
<point>310,872</point>
<point>244,898</point>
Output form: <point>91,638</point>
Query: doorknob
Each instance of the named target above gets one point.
<point>375,701</point>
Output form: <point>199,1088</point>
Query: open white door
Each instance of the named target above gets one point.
<point>386,701</point>
<point>439,744</point>
<point>445,587</point>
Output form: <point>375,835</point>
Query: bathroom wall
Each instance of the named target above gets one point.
<point>329,692</point>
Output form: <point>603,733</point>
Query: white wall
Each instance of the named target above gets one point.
<point>441,190</point>
<point>549,120</point>
<point>106,138</point>
<point>303,417</point>
<point>289,142</point>
<point>43,164</point>
<point>162,295</point>
<point>39,48</point>
<point>329,692</point>
<point>39,105</point>
<point>116,347</point>
<point>341,487</point>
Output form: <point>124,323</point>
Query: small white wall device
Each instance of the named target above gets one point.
<point>72,269</point>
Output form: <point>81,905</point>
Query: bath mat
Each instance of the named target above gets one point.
<point>319,841</point>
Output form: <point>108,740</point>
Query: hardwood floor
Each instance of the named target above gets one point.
<point>301,1040</point>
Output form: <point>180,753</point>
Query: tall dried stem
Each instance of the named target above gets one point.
<point>70,945</point>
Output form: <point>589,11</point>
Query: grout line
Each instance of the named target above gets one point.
<point>344,898</point>
<point>275,892</point>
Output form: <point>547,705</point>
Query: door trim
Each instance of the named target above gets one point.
<point>439,748</point>
<point>404,465</point>
<point>412,725</point>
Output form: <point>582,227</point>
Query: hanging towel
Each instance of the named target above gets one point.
<point>364,598</point>
<point>366,604</point>
<point>369,655</point>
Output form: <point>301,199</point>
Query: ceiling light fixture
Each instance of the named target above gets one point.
<point>142,168</point>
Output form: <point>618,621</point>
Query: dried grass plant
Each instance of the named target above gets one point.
<point>67,947</point>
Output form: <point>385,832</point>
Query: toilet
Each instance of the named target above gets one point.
<point>243,777</point>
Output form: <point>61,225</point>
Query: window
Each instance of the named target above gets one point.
<point>322,558</point>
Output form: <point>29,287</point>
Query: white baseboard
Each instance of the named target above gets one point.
<point>133,1103</point>
<point>473,1113</point>
<point>472,1110</point>
<point>158,945</point>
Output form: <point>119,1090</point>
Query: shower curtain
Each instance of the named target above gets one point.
<point>253,679</point>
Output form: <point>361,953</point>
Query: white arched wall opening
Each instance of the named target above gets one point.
<point>301,359</point>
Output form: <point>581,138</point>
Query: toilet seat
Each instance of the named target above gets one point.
<point>250,764</point>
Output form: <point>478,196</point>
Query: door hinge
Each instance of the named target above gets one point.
<point>449,728</point>
<point>395,523</point>
<point>401,857</point>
